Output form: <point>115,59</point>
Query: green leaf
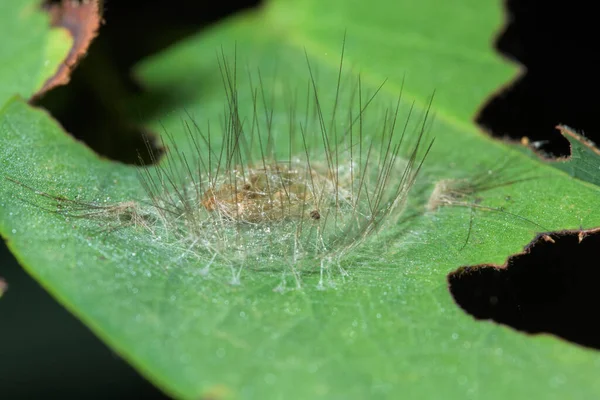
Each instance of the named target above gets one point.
<point>388,330</point>
<point>30,50</point>
<point>584,161</point>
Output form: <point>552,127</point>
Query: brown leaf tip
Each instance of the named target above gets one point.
<point>82,19</point>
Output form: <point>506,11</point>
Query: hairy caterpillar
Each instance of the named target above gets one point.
<point>242,195</point>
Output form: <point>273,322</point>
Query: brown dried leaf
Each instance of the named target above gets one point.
<point>82,19</point>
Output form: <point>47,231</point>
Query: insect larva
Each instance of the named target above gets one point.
<point>294,197</point>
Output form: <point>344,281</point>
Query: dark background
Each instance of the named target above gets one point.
<point>45,352</point>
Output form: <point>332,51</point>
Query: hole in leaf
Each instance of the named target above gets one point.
<point>556,43</point>
<point>551,287</point>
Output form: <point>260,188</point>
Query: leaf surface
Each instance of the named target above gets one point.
<point>388,330</point>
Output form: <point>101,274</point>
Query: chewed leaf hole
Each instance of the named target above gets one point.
<point>551,287</point>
